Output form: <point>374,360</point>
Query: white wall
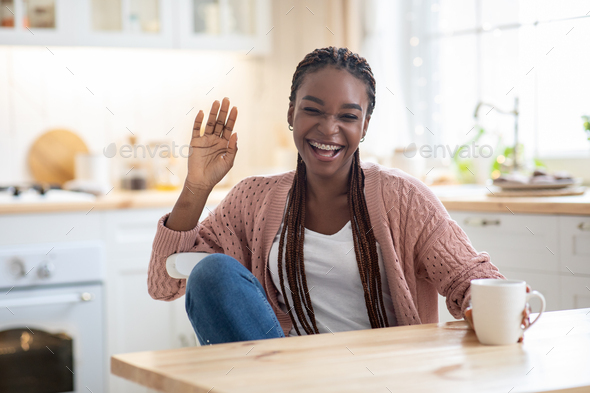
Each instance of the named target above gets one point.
<point>149,92</point>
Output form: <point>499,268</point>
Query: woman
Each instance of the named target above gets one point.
<point>363,246</point>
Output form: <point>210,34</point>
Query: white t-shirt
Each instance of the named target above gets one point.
<point>333,281</point>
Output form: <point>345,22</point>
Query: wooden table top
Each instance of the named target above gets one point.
<point>445,357</point>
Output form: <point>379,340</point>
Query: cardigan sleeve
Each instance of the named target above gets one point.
<point>220,232</point>
<point>445,256</point>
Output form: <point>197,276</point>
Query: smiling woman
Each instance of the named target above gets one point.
<point>302,226</point>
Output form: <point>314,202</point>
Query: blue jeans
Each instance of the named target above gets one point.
<point>226,303</point>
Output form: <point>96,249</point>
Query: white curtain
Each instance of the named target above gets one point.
<point>386,47</point>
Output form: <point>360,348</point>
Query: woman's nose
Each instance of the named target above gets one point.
<point>329,125</point>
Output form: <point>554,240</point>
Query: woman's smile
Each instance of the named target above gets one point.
<point>325,151</point>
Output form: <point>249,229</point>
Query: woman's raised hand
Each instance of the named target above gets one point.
<point>213,153</point>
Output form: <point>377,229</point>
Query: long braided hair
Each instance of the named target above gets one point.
<point>365,247</point>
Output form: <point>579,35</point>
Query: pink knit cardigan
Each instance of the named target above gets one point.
<point>424,250</point>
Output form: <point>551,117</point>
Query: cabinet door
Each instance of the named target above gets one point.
<point>129,235</point>
<point>135,321</point>
<point>522,241</point>
<point>38,22</point>
<point>443,312</point>
<point>548,284</point>
<point>235,25</point>
<point>575,292</point>
<point>575,244</point>
<point>127,23</point>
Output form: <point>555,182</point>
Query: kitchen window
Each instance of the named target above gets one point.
<point>462,52</point>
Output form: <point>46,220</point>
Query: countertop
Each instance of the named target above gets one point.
<point>474,198</point>
<point>112,201</point>
<point>443,357</point>
<point>454,198</point>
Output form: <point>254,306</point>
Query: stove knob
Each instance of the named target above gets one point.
<point>46,270</point>
<point>17,267</point>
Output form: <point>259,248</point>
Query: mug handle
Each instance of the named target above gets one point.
<point>542,298</point>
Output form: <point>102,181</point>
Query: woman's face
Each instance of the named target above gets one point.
<point>329,118</point>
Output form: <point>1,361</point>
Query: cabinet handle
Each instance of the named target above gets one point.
<point>480,222</point>
<point>47,300</point>
<point>584,226</point>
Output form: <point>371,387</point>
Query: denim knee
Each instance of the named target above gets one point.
<point>212,270</point>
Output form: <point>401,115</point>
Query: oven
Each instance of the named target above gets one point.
<point>51,318</point>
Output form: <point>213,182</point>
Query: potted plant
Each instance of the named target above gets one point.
<point>587,125</point>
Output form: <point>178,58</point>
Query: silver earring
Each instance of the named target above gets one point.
<point>362,139</point>
<point>290,128</point>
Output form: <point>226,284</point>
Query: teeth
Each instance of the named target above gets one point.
<point>324,147</point>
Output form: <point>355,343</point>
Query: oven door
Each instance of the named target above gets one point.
<point>51,339</point>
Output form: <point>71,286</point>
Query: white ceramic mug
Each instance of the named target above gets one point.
<point>497,309</point>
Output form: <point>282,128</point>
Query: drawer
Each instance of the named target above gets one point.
<point>548,284</point>
<point>522,241</point>
<point>575,292</point>
<point>574,234</point>
<point>129,235</point>
<point>49,227</point>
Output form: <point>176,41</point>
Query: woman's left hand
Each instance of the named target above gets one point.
<point>525,316</point>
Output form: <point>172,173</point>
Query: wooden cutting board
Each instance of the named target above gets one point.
<point>52,156</point>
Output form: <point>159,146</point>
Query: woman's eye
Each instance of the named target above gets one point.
<point>311,110</point>
<point>352,117</point>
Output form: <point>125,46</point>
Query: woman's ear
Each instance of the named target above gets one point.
<point>290,112</point>
<point>366,125</point>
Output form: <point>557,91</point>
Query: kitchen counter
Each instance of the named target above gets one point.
<point>113,201</point>
<point>444,357</point>
<point>474,198</point>
<point>454,198</point>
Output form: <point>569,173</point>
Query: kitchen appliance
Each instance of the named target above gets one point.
<point>39,193</point>
<point>51,318</point>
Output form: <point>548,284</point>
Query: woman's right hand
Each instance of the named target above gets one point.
<point>212,155</point>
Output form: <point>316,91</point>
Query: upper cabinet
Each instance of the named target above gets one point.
<point>230,24</point>
<point>234,25</point>
<point>36,22</point>
<point>127,23</point>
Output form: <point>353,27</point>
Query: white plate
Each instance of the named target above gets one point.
<point>538,186</point>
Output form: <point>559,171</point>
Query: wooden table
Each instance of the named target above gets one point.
<point>555,356</point>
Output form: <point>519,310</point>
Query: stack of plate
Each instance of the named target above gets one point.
<point>543,185</point>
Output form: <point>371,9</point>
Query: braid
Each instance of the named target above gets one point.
<point>365,245</point>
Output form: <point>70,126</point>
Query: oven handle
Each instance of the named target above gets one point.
<point>46,300</point>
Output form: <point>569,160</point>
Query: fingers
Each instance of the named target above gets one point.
<point>469,317</point>
<point>197,125</point>
<point>232,149</point>
<point>227,130</point>
<point>528,288</point>
<point>222,116</point>
<point>526,317</point>
<point>211,120</point>
<point>216,122</point>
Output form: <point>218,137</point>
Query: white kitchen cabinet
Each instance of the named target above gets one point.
<point>443,313</point>
<point>237,25</point>
<point>575,292</point>
<point>127,23</point>
<point>135,321</point>
<point>49,228</point>
<point>548,284</point>
<point>574,234</point>
<point>38,22</point>
<point>549,252</point>
<point>525,241</point>
<point>227,25</point>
